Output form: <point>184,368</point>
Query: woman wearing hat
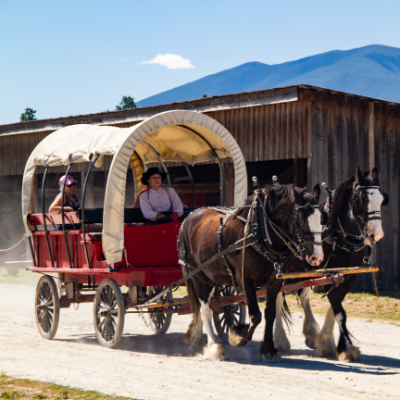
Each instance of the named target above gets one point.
<point>158,200</point>
<point>71,202</point>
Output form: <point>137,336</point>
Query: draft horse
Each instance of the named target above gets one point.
<point>284,230</point>
<point>354,224</point>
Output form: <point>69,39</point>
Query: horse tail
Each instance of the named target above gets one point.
<point>286,314</point>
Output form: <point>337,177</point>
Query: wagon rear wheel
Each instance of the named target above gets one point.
<point>108,313</point>
<point>159,321</point>
<point>227,316</point>
<point>47,307</point>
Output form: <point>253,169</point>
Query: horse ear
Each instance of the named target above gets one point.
<point>375,176</point>
<point>360,179</point>
<point>317,192</point>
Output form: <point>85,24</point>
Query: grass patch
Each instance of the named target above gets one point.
<point>26,389</point>
<point>361,304</point>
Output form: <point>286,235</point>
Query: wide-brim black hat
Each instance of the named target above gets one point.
<point>152,171</point>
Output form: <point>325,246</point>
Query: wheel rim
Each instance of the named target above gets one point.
<point>45,307</point>
<point>107,311</point>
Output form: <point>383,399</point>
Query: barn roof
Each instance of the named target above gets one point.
<point>205,104</point>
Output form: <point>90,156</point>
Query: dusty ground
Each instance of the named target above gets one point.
<point>150,367</point>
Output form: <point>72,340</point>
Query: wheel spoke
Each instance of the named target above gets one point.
<point>100,326</point>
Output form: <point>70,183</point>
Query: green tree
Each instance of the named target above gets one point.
<point>204,95</point>
<point>126,102</point>
<point>28,115</point>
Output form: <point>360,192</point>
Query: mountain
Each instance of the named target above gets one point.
<point>372,71</point>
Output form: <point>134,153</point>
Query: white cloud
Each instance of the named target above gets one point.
<point>171,61</point>
<point>124,59</point>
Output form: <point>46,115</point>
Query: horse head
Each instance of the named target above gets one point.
<point>368,198</point>
<point>299,212</point>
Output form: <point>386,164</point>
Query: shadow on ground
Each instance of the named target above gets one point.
<point>172,345</point>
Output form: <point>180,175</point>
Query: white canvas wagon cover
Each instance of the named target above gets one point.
<point>178,136</point>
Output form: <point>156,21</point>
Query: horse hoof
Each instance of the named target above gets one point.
<point>326,347</point>
<point>271,357</point>
<point>351,354</point>
<point>238,335</point>
<point>311,343</point>
<point>311,335</point>
<point>282,344</point>
<point>214,352</point>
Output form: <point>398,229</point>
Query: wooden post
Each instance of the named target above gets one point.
<point>229,184</point>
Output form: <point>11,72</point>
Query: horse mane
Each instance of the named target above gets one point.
<point>282,199</point>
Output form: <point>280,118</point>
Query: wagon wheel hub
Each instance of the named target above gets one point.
<point>43,307</point>
<point>105,313</point>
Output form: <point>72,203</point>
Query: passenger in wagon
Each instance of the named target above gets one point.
<point>71,201</point>
<point>157,202</point>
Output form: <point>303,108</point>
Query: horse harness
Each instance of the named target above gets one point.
<point>257,237</point>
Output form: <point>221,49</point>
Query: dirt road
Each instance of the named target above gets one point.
<point>160,367</point>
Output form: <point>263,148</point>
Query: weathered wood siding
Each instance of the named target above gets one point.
<point>273,132</point>
<point>347,132</point>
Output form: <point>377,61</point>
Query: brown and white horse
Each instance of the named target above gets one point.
<point>354,221</point>
<point>294,214</point>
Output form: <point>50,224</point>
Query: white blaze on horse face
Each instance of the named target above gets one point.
<point>374,227</point>
<point>314,222</point>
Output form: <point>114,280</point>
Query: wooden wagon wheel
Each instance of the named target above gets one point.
<point>227,316</point>
<point>159,321</point>
<point>108,313</point>
<point>47,307</point>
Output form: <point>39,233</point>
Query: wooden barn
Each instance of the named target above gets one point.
<point>304,134</point>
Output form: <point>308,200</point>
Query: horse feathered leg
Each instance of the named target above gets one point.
<point>194,334</point>
<point>268,352</point>
<point>214,350</point>
<point>346,350</point>
<point>242,334</point>
<point>281,340</point>
<point>325,341</point>
<point>310,326</point>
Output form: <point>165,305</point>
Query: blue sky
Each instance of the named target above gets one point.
<point>70,57</point>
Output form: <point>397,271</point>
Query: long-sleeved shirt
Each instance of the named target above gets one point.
<point>153,202</point>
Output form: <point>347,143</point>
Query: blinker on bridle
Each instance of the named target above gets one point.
<point>365,215</point>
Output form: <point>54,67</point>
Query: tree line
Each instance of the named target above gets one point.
<point>126,103</point>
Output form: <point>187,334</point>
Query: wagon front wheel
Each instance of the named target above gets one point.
<point>47,307</point>
<point>108,313</point>
<point>159,321</point>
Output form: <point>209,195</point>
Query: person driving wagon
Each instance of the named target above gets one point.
<point>158,202</point>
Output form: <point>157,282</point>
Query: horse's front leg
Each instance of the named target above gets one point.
<point>242,334</point>
<point>268,352</point>
<point>281,340</point>
<point>345,349</point>
<point>310,325</point>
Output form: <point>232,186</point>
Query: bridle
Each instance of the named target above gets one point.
<point>297,224</point>
<point>362,219</point>
<point>297,248</point>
